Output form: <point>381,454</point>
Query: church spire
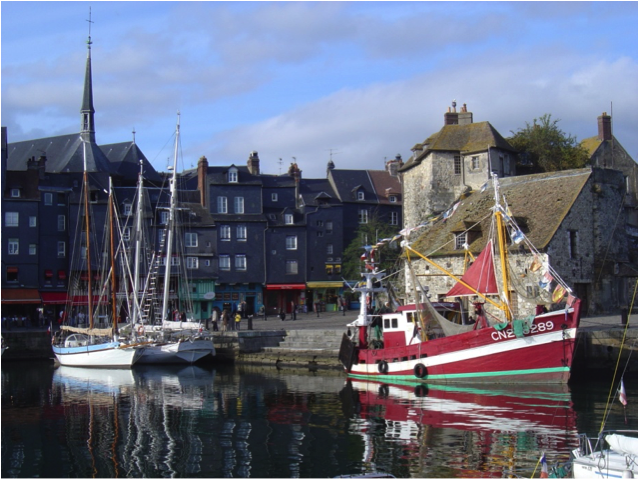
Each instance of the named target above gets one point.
<point>87,111</point>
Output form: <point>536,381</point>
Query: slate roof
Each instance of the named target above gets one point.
<point>473,137</point>
<point>385,185</point>
<point>124,158</point>
<point>315,191</point>
<point>539,203</point>
<point>344,181</point>
<point>64,154</point>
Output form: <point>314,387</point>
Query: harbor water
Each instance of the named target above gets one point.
<point>235,421</point>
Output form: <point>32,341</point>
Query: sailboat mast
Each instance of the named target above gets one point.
<point>85,186</point>
<point>503,253</point>
<point>112,239</point>
<point>138,239</point>
<point>169,236</point>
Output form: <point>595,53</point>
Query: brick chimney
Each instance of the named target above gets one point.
<point>202,169</point>
<point>453,117</point>
<point>295,172</point>
<point>39,164</point>
<point>604,122</point>
<point>392,166</point>
<point>253,163</point>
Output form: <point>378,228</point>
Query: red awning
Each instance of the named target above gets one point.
<point>286,286</point>
<point>54,298</point>
<point>21,296</point>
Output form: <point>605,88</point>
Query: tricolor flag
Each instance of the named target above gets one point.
<point>545,282</point>
<point>544,467</point>
<point>363,257</point>
<point>622,394</point>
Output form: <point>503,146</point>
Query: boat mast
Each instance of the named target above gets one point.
<point>112,239</point>
<point>169,236</point>
<point>138,234</point>
<point>503,253</point>
<point>85,185</point>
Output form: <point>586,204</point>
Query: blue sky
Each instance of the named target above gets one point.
<point>365,80</point>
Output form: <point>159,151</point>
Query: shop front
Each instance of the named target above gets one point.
<point>284,296</point>
<point>20,307</point>
<point>325,296</point>
<point>231,295</point>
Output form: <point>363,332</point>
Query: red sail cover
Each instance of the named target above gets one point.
<point>480,275</point>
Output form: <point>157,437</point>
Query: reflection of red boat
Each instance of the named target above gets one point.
<point>504,424</point>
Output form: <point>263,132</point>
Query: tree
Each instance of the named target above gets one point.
<point>369,234</point>
<point>544,147</point>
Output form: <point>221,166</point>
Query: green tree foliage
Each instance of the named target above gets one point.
<point>369,234</point>
<point>546,148</point>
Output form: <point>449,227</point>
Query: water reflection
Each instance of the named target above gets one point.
<point>260,422</point>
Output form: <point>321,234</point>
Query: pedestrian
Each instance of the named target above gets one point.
<point>239,308</point>
<point>238,319</point>
<point>183,317</point>
<point>225,320</point>
<point>282,314</point>
<point>262,311</point>
<point>293,310</point>
<point>244,309</point>
<point>214,318</point>
<point>317,308</point>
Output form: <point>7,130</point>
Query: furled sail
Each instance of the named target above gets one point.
<point>480,275</point>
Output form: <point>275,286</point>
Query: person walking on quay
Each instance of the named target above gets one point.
<point>282,314</point>
<point>215,316</point>
<point>262,312</point>
<point>317,308</point>
<point>293,310</point>
<point>225,320</point>
<point>238,319</point>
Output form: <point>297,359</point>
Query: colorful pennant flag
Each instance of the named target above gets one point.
<point>536,264</point>
<point>545,282</point>
<point>570,300</point>
<point>558,293</point>
<point>544,467</point>
<point>622,394</point>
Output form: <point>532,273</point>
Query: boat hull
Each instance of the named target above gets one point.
<point>544,355</point>
<point>105,355</point>
<point>181,352</point>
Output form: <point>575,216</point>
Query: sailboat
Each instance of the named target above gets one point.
<point>93,347</point>
<point>170,341</point>
<point>417,342</point>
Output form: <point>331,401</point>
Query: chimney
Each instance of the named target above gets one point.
<point>295,172</point>
<point>392,166</point>
<point>39,164</point>
<point>253,163</point>
<point>202,169</point>
<point>604,122</point>
<point>463,117</point>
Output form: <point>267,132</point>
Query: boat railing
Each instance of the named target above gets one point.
<point>585,442</point>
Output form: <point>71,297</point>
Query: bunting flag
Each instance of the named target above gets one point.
<point>570,301</point>
<point>545,282</point>
<point>536,264</point>
<point>558,293</point>
<point>517,237</point>
<point>622,394</point>
<point>544,467</point>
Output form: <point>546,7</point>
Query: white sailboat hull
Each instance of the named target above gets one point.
<point>618,461</point>
<point>180,352</point>
<point>105,355</point>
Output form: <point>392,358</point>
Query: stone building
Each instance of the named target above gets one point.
<point>565,215</point>
<point>455,160</point>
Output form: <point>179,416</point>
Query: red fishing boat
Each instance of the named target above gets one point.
<point>418,342</point>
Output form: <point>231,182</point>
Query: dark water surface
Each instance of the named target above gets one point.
<point>262,422</point>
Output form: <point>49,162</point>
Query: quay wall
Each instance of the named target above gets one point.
<point>597,348</point>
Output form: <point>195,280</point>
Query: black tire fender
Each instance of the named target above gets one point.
<point>420,370</point>
<point>382,367</point>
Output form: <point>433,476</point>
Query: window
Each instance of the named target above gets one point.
<point>239,204</point>
<point>288,219</point>
<point>360,195</point>
<point>320,233</point>
<point>32,249</point>
<point>506,164</point>
<point>11,219</point>
<point>164,218</point>
<point>320,223</point>
<point>337,269</point>
<point>329,269</point>
<point>127,209</point>
<point>460,241</point>
<point>191,263</point>
<point>207,263</point>
<point>329,227</point>
<point>394,218</point>
<point>573,240</point>
<point>62,199</point>
<point>190,239</point>
<point>225,233</point>
<point>62,249</point>
<point>61,223</point>
<point>457,164</point>
<point>13,246</point>
<point>291,242</point>
<point>291,267</point>
<point>240,262</point>
<point>392,198</point>
<point>48,198</point>
<point>240,233</point>
<point>15,193</point>
<point>233,175</point>
<point>175,261</point>
<point>474,162</point>
<point>225,262</point>
<point>12,274</point>
<point>33,221</point>
<point>126,234</point>
<point>362,216</point>
<point>274,197</point>
<point>329,249</point>
<point>222,206</point>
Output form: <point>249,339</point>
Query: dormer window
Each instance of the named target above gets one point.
<point>392,198</point>
<point>288,219</point>
<point>360,195</point>
<point>233,175</point>
<point>461,239</point>
<point>127,209</point>
<point>15,193</point>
